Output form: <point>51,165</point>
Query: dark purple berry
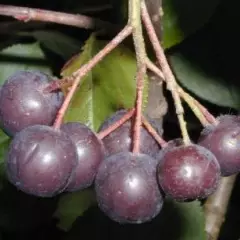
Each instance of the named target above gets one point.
<point>90,152</point>
<point>41,160</point>
<point>23,101</point>
<point>188,172</point>
<point>120,140</point>
<point>223,140</point>
<point>126,188</point>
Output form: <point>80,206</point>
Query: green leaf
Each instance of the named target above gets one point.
<point>22,57</point>
<point>58,43</point>
<point>4,143</point>
<point>181,221</point>
<point>73,205</point>
<point>109,86</point>
<point>203,76</point>
<point>182,18</point>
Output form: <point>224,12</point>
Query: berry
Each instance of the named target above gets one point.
<point>126,188</point>
<point>120,140</point>
<point>188,172</point>
<point>23,101</point>
<point>41,161</point>
<point>223,140</point>
<point>90,153</point>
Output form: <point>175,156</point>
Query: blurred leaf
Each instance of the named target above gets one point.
<point>109,86</point>
<point>182,18</point>
<point>4,143</point>
<point>205,79</point>
<point>22,57</point>
<point>73,205</point>
<point>58,43</point>
<point>181,221</point>
<point>7,42</point>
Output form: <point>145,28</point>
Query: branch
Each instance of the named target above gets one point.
<point>169,77</point>
<point>135,22</point>
<point>33,14</point>
<point>216,205</point>
<point>156,12</point>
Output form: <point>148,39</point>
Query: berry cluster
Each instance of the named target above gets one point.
<point>130,187</point>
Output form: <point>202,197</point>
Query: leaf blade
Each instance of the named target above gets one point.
<point>111,82</point>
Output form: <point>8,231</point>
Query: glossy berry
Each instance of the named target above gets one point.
<point>188,172</point>
<point>90,153</point>
<point>223,140</point>
<point>41,160</point>
<point>23,101</point>
<point>120,140</point>
<point>126,188</point>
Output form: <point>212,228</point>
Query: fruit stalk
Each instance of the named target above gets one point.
<point>138,40</point>
<point>33,14</point>
<point>206,113</point>
<point>216,205</point>
<point>153,132</point>
<point>81,72</point>
<point>116,125</point>
<point>192,103</point>
<point>169,77</point>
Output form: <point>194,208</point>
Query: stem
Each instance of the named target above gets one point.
<point>154,69</point>
<point>169,77</point>
<point>153,132</point>
<point>216,205</point>
<point>193,104</point>
<point>206,113</point>
<point>77,20</point>
<point>194,107</point>
<point>116,125</point>
<point>135,22</point>
<point>58,84</point>
<point>126,31</point>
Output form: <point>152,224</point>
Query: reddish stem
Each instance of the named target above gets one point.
<point>77,20</point>
<point>207,117</point>
<point>58,84</point>
<point>138,106</point>
<point>154,133</point>
<point>210,118</point>
<point>168,75</point>
<point>151,66</point>
<point>116,125</point>
<point>78,75</point>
